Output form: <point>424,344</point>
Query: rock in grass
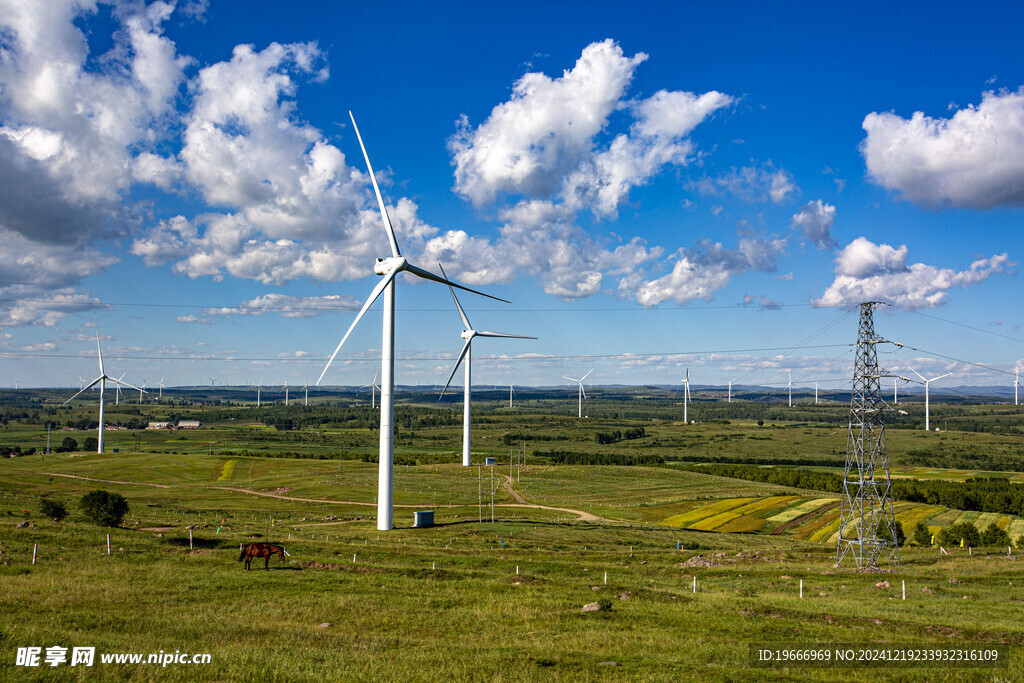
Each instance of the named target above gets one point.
<point>326,624</point>
<point>882,584</point>
<point>592,607</point>
<point>624,595</point>
<point>608,664</point>
<point>926,590</point>
<point>953,579</point>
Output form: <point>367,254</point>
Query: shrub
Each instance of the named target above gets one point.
<point>901,537</point>
<point>921,535</point>
<point>54,509</point>
<point>966,533</point>
<point>994,537</point>
<point>90,444</point>
<point>103,508</point>
<point>68,444</point>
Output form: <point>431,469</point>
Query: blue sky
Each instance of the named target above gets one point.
<point>683,186</point>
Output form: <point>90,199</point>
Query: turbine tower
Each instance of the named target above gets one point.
<point>161,390</point>
<point>388,268</point>
<point>686,396</point>
<point>1016,386</point>
<point>102,381</point>
<point>583,394</point>
<point>286,392</point>
<point>305,387</point>
<point>927,383</point>
<point>790,387</point>
<point>867,520</point>
<point>469,334</point>
<point>730,391</point>
<point>511,391</point>
<point>815,392</point>
<point>259,388</point>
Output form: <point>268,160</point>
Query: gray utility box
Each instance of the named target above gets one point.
<point>424,518</point>
<point>489,461</point>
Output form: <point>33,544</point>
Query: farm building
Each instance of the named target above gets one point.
<point>188,424</point>
<point>158,425</point>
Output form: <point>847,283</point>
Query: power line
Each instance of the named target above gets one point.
<point>964,325</point>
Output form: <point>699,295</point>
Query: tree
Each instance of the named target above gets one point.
<point>103,508</point>
<point>994,537</point>
<point>54,509</point>
<point>90,443</point>
<point>883,534</point>
<point>966,533</point>
<point>922,536</point>
<point>68,444</point>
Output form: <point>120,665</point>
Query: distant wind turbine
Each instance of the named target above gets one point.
<point>815,392</point>
<point>102,381</point>
<point>927,383</point>
<point>117,389</point>
<point>161,390</point>
<point>305,387</point>
<point>790,387</point>
<point>469,334</point>
<point>730,391</point>
<point>511,391</point>
<point>373,390</point>
<point>1016,387</point>
<point>388,268</point>
<point>286,392</point>
<point>582,394</point>
<point>259,388</point>
<point>686,396</point>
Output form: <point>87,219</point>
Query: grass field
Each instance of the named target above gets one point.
<point>470,599</point>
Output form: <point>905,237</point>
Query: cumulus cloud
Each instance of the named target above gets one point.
<point>544,143</point>
<point>974,159</point>
<point>28,305</point>
<point>866,271</point>
<point>702,270</point>
<point>815,221</point>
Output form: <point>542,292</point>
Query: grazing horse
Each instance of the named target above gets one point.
<point>262,550</point>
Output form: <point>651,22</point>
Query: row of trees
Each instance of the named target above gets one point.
<point>99,506</point>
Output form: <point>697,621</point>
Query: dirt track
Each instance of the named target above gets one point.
<point>107,481</point>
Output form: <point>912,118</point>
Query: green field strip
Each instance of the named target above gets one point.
<point>705,511</point>
<point>799,510</point>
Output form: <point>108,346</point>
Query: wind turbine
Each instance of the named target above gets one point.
<point>213,382</point>
<point>511,391</point>
<point>388,268</point>
<point>730,391</point>
<point>467,353</point>
<point>790,387</point>
<point>373,390</point>
<point>305,387</point>
<point>117,389</point>
<point>141,390</point>
<point>686,396</point>
<point>286,392</point>
<point>927,383</point>
<point>815,392</point>
<point>161,390</point>
<point>102,381</point>
<point>1016,386</point>
<point>583,394</point>
<point>259,388</point>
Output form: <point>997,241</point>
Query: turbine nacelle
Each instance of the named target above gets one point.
<point>391,264</point>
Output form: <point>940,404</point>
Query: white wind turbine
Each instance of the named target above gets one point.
<point>583,394</point>
<point>790,387</point>
<point>286,392</point>
<point>815,392</point>
<point>141,390</point>
<point>305,388</point>
<point>511,391</point>
<point>117,389</point>
<point>686,397</point>
<point>927,383</point>
<point>388,268</point>
<point>1016,386</point>
<point>730,391</point>
<point>161,390</point>
<point>469,334</point>
<point>102,381</point>
<point>374,388</point>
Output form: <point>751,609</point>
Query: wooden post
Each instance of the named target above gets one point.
<point>34,548</point>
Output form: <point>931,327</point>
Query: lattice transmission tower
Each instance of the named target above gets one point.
<point>867,522</point>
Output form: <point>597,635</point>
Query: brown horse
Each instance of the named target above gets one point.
<point>262,550</point>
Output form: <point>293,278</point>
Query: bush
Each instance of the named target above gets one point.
<point>103,508</point>
<point>91,444</point>
<point>901,537</point>
<point>994,537</point>
<point>952,536</point>
<point>68,444</point>
<point>54,509</point>
<point>922,536</point>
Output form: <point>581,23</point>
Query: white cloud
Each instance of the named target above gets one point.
<point>973,159</point>
<point>751,183</point>
<point>283,305</point>
<point>815,221</point>
<point>545,130</point>
<point>866,271</point>
<point>702,270</point>
<point>27,305</point>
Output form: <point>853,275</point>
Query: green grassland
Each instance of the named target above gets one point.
<point>470,599</point>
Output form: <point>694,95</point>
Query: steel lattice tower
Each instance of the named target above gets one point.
<point>867,521</point>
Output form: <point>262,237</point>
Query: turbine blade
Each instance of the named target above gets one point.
<point>503,335</point>
<point>941,376</point>
<point>587,375</point>
<point>582,390</point>
<point>427,275</point>
<point>82,391</point>
<point>369,302</point>
<point>571,379</point>
<point>919,375</point>
<point>99,352</point>
<point>462,313</point>
<point>465,349</point>
<point>380,200</point>
<point>125,384</point>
